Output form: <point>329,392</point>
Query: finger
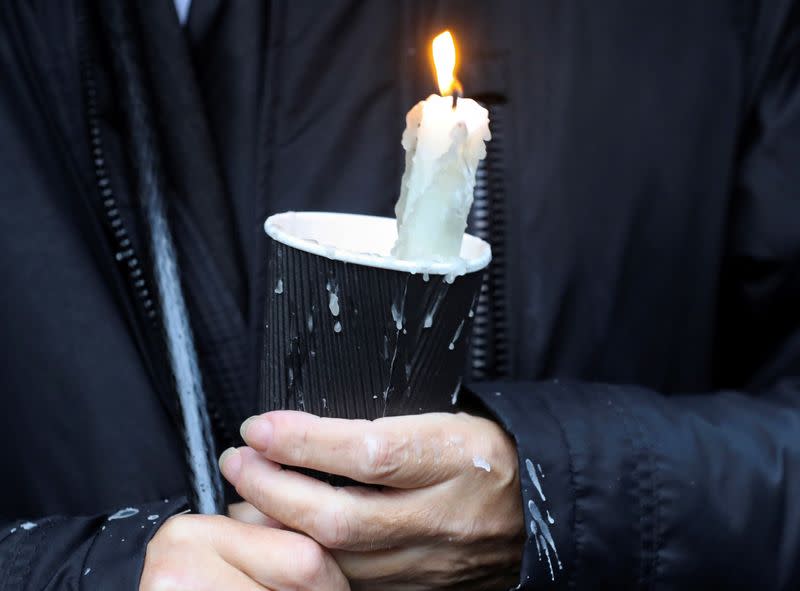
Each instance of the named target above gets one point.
<point>190,574</point>
<point>347,518</point>
<point>402,452</point>
<point>435,565</point>
<point>382,566</point>
<point>278,559</point>
<point>187,561</point>
<point>246,513</point>
<point>231,578</point>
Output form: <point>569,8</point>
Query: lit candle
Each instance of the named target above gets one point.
<point>444,140</point>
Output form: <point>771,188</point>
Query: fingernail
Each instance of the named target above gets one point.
<point>257,432</point>
<point>245,425</point>
<point>230,463</point>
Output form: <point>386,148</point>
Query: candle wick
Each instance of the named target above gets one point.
<point>457,94</point>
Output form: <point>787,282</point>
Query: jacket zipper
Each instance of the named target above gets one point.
<point>489,346</point>
<point>123,249</point>
<point>122,246</point>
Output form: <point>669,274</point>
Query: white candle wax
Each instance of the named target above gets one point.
<point>443,147</point>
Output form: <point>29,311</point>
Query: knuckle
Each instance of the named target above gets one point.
<point>502,444</point>
<point>160,572</point>
<point>383,457</point>
<point>159,578</point>
<point>333,528</point>
<point>456,527</point>
<point>249,485</point>
<point>299,452</point>
<point>502,454</point>
<point>173,556</point>
<point>290,436</point>
<point>473,532</point>
<point>177,529</point>
<point>310,563</point>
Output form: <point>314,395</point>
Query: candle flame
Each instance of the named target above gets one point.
<point>444,59</point>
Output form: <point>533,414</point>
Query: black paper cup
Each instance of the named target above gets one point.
<point>351,332</point>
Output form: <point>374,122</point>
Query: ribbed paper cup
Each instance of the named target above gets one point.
<point>351,332</point>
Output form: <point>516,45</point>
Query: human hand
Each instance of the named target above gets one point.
<point>449,515</point>
<point>211,552</point>
<point>246,513</point>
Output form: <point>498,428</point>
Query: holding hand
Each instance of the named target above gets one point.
<point>449,515</point>
<point>203,552</point>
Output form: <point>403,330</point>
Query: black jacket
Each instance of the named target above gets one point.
<point>650,304</point>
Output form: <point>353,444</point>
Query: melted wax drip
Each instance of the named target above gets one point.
<point>540,530</point>
<point>454,397</point>
<point>124,513</point>
<point>452,344</point>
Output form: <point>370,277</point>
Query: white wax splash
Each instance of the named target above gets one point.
<point>534,478</point>
<point>452,344</point>
<point>279,287</point>
<point>124,513</point>
<point>385,348</point>
<point>443,147</point>
<point>472,305</point>
<point>431,313</point>
<point>480,462</point>
<point>541,533</point>
<point>397,316</point>
<point>540,528</point>
<point>454,397</point>
<point>333,303</point>
<point>28,525</point>
<point>337,328</point>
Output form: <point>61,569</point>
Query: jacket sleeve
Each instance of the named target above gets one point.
<point>71,553</point>
<point>625,487</point>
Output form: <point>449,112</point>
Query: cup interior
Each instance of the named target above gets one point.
<point>366,240</point>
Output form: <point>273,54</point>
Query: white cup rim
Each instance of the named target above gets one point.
<point>366,240</point>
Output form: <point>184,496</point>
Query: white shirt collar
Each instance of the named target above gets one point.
<point>182,6</point>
